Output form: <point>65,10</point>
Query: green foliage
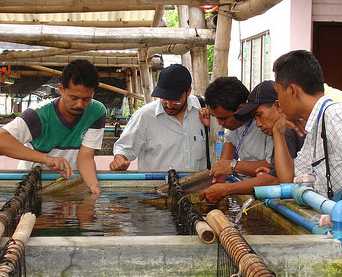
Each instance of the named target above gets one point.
<point>331,269</point>
<point>210,58</point>
<point>171,17</point>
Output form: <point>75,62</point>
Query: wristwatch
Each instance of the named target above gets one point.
<point>233,164</point>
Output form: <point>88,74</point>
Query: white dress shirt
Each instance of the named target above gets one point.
<point>161,142</point>
<point>312,150</point>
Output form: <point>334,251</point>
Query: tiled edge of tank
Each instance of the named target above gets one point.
<point>301,255</point>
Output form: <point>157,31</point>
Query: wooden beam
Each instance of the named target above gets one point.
<point>145,75</point>
<point>183,17</point>
<point>222,40</point>
<point>109,60</point>
<point>92,46</point>
<point>247,9</point>
<point>41,33</point>
<point>101,85</point>
<point>158,15</point>
<point>17,74</point>
<point>62,6</point>
<point>62,64</point>
<point>85,23</point>
<point>17,55</point>
<point>199,55</point>
<point>176,49</point>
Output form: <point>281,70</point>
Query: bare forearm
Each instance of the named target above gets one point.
<point>246,186</point>
<point>249,167</point>
<point>11,147</point>
<point>283,161</point>
<point>87,168</point>
<point>227,151</point>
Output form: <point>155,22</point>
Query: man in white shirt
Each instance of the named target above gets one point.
<point>300,88</point>
<point>166,133</point>
<point>246,147</point>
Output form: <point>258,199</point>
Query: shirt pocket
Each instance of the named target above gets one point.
<point>199,146</point>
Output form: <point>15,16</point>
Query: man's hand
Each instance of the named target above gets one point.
<point>221,168</point>
<point>59,164</point>
<point>262,170</point>
<point>95,189</point>
<point>282,124</point>
<point>215,192</point>
<point>204,116</point>
<point>325,221</point>
<point>120,162</point>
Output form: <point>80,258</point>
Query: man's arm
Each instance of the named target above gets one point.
<point>227,151</point>
<point>130,143</point>
<point>283,159</point>
<point>219,190</point>
<point>87,168</point>
<point>11,147</point>
<point>223,167</point>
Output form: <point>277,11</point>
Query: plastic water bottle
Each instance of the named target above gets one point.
<point>219,144</point>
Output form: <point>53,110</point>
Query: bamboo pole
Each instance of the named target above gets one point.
<point>183,15</point>
<point>62,6</point>
<point>101,85</point>
<point>176,49</point>
<point>163,35</point>
<point>222,40</point>
<point>145,76</point>
<point>17,55</point>
<point>205,232</point>
<point>158,15</point>
<point>84,23</point>
<point>62,64</point>
<point>25,226</point>
<point>192,183</point>
<point>199,55</point>
<point>246,9</point>
<point>103,60</point>
<point>29,73</point>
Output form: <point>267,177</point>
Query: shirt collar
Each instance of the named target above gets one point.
<point>193,103</point>
<point>314,113</point>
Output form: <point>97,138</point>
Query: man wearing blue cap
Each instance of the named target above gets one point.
<point>166,133</point>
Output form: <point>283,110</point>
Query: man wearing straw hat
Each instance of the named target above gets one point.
<point>63,133</point>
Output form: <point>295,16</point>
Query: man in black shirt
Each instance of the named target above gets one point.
<point>263,104</point>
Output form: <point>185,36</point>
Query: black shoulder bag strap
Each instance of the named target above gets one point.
<point>326,155</point>
<point>206,129</point>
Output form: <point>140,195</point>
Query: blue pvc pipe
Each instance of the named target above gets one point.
<point>306,195</point>
<point>296,218</point>
<point>282,191</point>
<point>110,176</point>
<point>336,218</point>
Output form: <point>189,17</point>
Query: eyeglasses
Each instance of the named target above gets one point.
<point>172,102</point>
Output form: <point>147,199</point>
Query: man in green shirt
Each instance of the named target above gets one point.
<point>63,133</point>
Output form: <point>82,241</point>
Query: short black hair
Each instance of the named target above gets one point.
<point>227,92</point>
<point>81,72</point>
<point>299,67</point>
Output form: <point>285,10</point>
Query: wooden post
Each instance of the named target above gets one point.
<point>183,16</point>
<point>222,40</point>
<point>130,90</point>
<point>198,54</point>
<point>145,75</point>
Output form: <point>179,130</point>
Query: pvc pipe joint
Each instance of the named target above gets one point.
<point>282,191</point>
<point>307,197</point>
